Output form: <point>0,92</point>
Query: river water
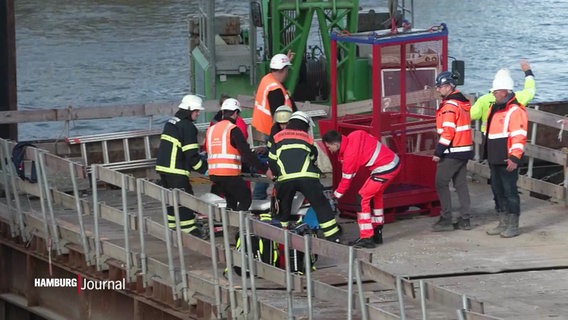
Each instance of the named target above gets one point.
<point>101,52</point>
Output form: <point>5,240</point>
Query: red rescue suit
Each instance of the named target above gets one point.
<point>360,149</point>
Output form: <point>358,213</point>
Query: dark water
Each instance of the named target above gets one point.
<point>97,52</point>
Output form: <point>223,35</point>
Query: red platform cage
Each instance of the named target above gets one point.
<point>401,114</point>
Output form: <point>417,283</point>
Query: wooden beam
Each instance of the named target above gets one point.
<point>8,83</point>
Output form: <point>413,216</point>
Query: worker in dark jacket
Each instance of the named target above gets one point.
<point>178,154</point>
<point>226,146</point>
<point>292,158</point>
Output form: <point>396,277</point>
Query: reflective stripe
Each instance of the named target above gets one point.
<point>337,194</point>
<point>519,146</point>
<point>444,141</point>
<point>452,102</point>
<point>190,146</point>
<point>197,165</point>
<point>330,232</point>
<point>497,135</point>
<point>363,215</point>
<point>519,132</point>
<point>224,156</point>
<point>375,155</point>
<point>172,170</point>
<point>328,224</point>
<point>459,149</point>
<point>224,166</point>
<point>463,128</point>
<point>365,226</point>
<point>440,131</point>
<point>347,176</point>
<point>378,212</point>
<point>171,139</point>
<point>448,124</point>
<point>379,220</point>
<point>298,175</point>
<point>387,167</point>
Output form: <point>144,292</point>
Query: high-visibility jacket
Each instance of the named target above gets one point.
<point>261,115</point>
<point>293,155</point>
<point>178,152</point>
<point>359,149</point>
<point>223,159</point>
<point>506,132</point>
<point>480,109</point>
<point>453,125</point>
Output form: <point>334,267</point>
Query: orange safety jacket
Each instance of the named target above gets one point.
<point>222,158</point>
<point>506,132</point>
<point>453,125</point>
<point>261,116</point>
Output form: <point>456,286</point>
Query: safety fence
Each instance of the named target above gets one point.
<point>113,216</point>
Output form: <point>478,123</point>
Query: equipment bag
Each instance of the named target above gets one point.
<point>264,250</point>
<point>18,154</point>
<point>297,261</point>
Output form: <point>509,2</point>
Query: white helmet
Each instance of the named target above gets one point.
<point>279,61</point>
<point>301,115</point>
<point>282,114</point>
<point>503,80</point>
<point>231,104</point>
<point>191,102</point>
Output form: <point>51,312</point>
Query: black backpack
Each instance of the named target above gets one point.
<point>18,154</point>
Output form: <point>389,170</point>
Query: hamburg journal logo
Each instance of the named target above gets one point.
<point>80,283</point>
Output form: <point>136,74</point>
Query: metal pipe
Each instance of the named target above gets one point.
<point>10,171</point>
<point>229,259</point>
<point>364,310</point>
<point>124,194</point>
<point>185,286</point>
<point>143,258</point>
<point>13,215</point>
<point>214,262</point>
<point>350,284</point>
<point>49,200</point>
<point>400,297</point>
<point>243,265</point>
<point>423,300</point>
<point>252,269</point>
<point>79,208</point>
<point>163,198</point>
<point>533,141</point>
<point>42,200</point>
<point>96,213</point>
<point>308,272</point>
<point>289,295</point>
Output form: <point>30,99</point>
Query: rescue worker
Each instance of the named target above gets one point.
<point>453,151</point>
<point>270,95</point>
<point>226,145</point>
<point>178,154</point>
<point>504,146</point>
<point>480,108</point>
<point>292,158</point>
<point>356,150</point>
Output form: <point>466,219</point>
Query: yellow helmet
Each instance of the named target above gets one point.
<point>282,114</point>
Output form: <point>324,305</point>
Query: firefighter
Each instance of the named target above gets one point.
<point>226,145</point>
<point>178,154</point>
<point>504,145</point>
<point>453,151</point>
<point>270,95</point>
<point>292,158</point>
<point>356,150</point>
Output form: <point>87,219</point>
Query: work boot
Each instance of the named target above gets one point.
<point>336,238</point>
<point>501,226</point>
<point>366,243</point>
<point>462,224</point>
<point>512,227</point>
<point>378,236</point>
<point>444,224</point>
<point>197,232</point>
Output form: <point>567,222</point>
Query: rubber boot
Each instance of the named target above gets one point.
<point>444,224</point>
<point>501,226</point>
<point>512,227</point>
<point>378,235</point>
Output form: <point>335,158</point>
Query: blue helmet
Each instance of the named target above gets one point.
<point>445,77</point>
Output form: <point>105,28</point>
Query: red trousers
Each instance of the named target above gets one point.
<point>373,189</point>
